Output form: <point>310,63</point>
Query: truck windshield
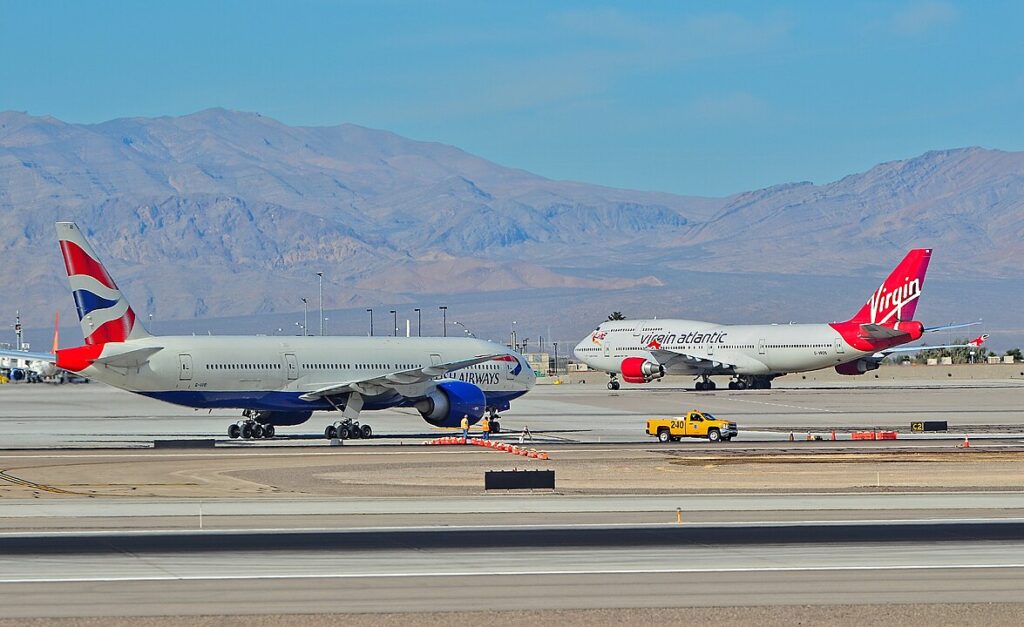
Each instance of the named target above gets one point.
<point>708,416</point>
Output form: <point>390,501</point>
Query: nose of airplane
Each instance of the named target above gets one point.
<point>579,352</point>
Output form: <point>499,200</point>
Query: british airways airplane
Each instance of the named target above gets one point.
<point>281,381</point>
<point>752,355</point>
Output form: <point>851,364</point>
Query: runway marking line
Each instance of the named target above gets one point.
<point>744,400</point>
<point>513,573</point>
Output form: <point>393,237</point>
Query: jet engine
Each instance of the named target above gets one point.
<point>17,374</point>
<point>450,401</point>
<point>859,366</point>
<point>281,418</point>
<point>640,370</point>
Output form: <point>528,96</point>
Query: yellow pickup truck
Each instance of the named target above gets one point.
<point>695,424</point>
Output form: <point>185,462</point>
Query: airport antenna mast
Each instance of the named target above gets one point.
<point>17,327</point>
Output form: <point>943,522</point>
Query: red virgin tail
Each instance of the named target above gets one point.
<point>896,299</point>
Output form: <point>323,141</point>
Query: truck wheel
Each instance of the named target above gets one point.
<point>664,435</point>
<point>714,435</point>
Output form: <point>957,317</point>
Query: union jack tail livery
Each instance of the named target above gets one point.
<point>103,310</point>
<point>896,299</point>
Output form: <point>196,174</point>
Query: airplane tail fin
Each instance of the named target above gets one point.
<point>896,299</point>
<point>103,310</point>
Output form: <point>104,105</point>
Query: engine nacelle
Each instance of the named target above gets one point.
<point>450,401</point>
<point>281,418</point>
<point>17,374</point>
<point>859,366</point>
<point>640,370</point>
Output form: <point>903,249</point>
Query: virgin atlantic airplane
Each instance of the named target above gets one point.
<point>752,355</point>
<point>280,381</point>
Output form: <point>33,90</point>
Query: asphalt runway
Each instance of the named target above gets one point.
<point>94,415</point>
<point>537,568</point>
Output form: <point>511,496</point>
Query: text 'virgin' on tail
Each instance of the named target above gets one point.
<point>103,310</point>
<point>896,299</point>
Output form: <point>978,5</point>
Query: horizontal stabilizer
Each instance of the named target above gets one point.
<point>128,359</point>
<point>879,332</point>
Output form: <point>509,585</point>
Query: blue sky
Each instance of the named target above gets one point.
<point>703,98</point>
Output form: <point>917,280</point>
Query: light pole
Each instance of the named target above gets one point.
<point>320,278</point>
<point>512,337</point>
<point>419,322</point>
<point>555,344</point>
<point>444,317</point>
<point>305,317</point>
<point>395,314</point>
<point>465,329</point>
<point>370,311</point>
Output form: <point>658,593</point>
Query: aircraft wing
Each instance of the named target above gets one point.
<point>371,386</point>
<point>4,352</point>
<point>669,358</point>
<point>952,326</point>
<point>975,343</point>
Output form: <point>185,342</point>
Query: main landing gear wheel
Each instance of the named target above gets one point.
<point>348,429</point>
<point>706,385</point>
<point>613,385</point>
<point>249,430</point>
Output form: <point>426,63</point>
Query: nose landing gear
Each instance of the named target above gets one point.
<point>492,415</point>
<point>613,384</point>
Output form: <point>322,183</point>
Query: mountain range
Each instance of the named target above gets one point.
<point>229,214</point>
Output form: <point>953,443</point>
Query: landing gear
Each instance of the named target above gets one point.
<point>613,384</point>
<point>705,384</point>
<point>249,429</point>
<point>348,429</point>
<point>492,415</point>
<point>752,382</point>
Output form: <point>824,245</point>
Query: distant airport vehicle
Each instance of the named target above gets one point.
<point>642,351</point>
<point>695,424</point>
<point>280,381</point>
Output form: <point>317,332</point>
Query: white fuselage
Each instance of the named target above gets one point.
<point>271,373</point>
<point>739,349</point>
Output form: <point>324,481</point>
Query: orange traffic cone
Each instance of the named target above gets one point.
<point>967,442</point>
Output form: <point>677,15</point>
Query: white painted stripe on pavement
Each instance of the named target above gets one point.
<point>513,573</point>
